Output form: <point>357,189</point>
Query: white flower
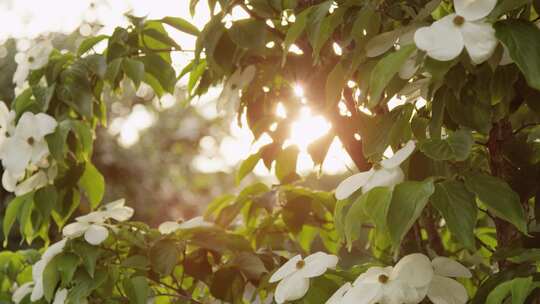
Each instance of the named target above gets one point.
<point>404,283</point>
<point>7,122</point>
<point>37,180</point>
<point>21,292</point>
<point>92,225</point>
<point>34,58</point>
<point>171,226</point>
<point>27,145</point>
<point>294,275</point>
<point>229,98</point>
<point>387,174</point>
<point>337,297</point>
<point>39,268</point>
<point>445,38</point>
<point>443,289</point>
<point>60,296</point>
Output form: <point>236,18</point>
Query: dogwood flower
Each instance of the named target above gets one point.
<point>27,145</point>
<point>34,58</point>
<point>22,291</point>
<point>93,226</point>
<point>172,226</point>
<point>60,296</point>
<point>293,276</point>
<point>229,99</point>
<point>443,289</point>
<point>37,179</point>
<point>7,122</point>
<point>338,296</point>
<point>445,38</point>
<point>39,267</point>
<point>386,174</point>
<point>404,283</point>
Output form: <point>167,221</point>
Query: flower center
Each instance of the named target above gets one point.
<point>300,264</point>
<point>30,141</point>
<point>383,278</point>
<point>31,59</point>
<point>458,20</point>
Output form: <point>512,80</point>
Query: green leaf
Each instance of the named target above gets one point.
<point>337,78</point>
<point>164,257</point>
<point>340,212</point>
<point>51,277</point>
<point>67,264</point>
<point>161,71</point>
<point>137,290</point>
<point>354,219</point>
<point>249,34</point>
<point>296,30</point>
<point>228,285</point>
<point>160,36</point>
<point>286,164</point>
<point>408,201</point>
<point>247,166</point>
<point>89,43</point>
<point>385,70</point>
<point>377,204</point>
<point>458,208</point>
<point>93,184</point>
<point>506,6</point>
<point>522,39</point>
<point>12,211</point>
<point>500,292</point>
<point>521,287</point>
<point>134,69</point>
<point>181,25</point>
<point>457,146</point>
<point>113,68</point>
<point>498,197</point>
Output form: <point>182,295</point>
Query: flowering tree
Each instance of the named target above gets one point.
<point>436,102</point>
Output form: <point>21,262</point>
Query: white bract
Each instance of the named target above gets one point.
<point>404,283</point>
<point>27,145</point>
<point>387,174</point>
<point>337,297</point>
<point>93,226</point>
<point>34,58</point>
<point>293,276</point>
<point>229,99</point>
<point>171,226</point>
<point>60,296</point>
<point>445,39</point>
<point>7,122</point>
<point>22,291</point>
<point>36,180</point>
<point>39,267</point>
<point>443,289</point>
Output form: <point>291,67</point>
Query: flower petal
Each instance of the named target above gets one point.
<point>40,150</point>
<point>441,41</point>
<point>352,183</point>
<point>19,77</point>
<point>22,291</point>
<point>291,288</point>
<point>400,156</point>
<point>337,297</point>
<point>53,250</point>
<point>96,234</point>
<point>36,181</point>
<point>168,227</point>
<point>413,269</point>
<point>286,269</point>
<point>75,229</point>
<point>15,154</point>
<point>446,267</point>
<point>474,9</point>
<point>479,39</point>
<point>384,178</point>
<point>37,292</point>
<point>60,297</point>
<point>9,182</point>
<point>247,76</point>
<point>363,294</point>
<point>195,222</point>
<point>115,204</point>
<point>317,264</point>
<point>93,217</point>
<point>120,214</point>
<point>371,276</point>
<point>46,124</point>
<point>446,291</point>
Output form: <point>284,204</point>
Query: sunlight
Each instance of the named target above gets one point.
<point>308,128</point>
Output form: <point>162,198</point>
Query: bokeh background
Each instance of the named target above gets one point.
<point>169,157</point>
